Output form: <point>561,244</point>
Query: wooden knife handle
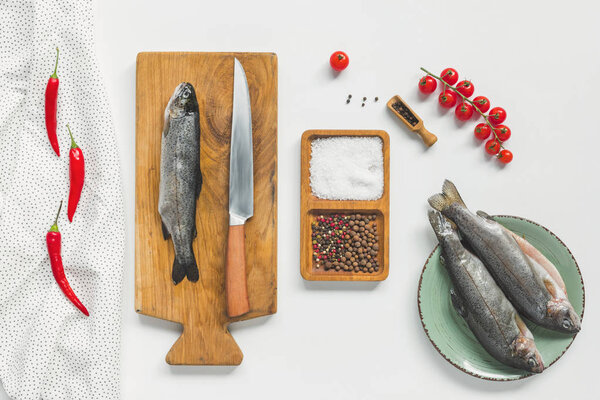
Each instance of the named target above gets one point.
<point>235,273</point>
<point>428,138</point>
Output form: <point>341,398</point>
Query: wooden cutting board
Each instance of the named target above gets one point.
<point>201,307</point>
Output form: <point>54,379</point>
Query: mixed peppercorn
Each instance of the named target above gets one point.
<point>345,243</point>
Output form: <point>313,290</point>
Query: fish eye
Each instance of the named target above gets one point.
<point>532,362</point>
<point>186,94</point>
<point>567,324</point>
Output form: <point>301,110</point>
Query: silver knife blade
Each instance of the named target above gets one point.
<point>241,171</point>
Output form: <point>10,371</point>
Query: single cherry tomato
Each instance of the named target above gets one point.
<point>427,84</point>
<point>339,60</point>
<point>502,132</point>
<point>497,115</point>
<point>482,103</point>
<point>492,147</point>
<point>447,98</point>
<point>463,111</point>
<point>465,88</point>
<point>505,156</point>
<point>482,131</point>
<point>450,76</point>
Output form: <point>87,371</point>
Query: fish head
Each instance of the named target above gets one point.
<point>526,354</point>
<point>562,312</point>
<point>183,101</point>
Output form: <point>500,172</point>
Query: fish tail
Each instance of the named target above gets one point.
<point>485,215</point>
<point>188,268</point>
<point>178,272</point>
<point>449,196</point>
<point>191,269</point>
<point>441,226</point>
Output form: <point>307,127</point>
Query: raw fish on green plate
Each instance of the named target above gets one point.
<point>451,336</point>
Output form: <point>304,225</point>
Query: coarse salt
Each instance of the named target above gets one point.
<point>347,168</point>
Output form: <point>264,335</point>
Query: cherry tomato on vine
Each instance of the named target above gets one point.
<point>482,131</point>
<point>492,147</point>
<point>505,156</point>
<point>339,60</point>
<point>447,98</point>
<point>427,84</point>
<point>497,115</point>
<point>482,103</point>
<point>502,132</point>
<point>463,111</point>
<point>465,88</point>
<point>449,75</point>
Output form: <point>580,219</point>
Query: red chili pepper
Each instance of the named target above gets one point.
<point>76,176</point>
<point>53,243</point>
<point>51,106</point>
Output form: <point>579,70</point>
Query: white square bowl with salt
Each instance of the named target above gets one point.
<point>347,168</point>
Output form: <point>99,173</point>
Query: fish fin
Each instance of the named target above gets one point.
<point>450,191</point>
<point>458,304</point>
<point>165,231</point>
<point>438,201</point>
<point>178,272</point>
<point>485,215</point>
<point>167,119</point>
<point>523,327</point>
<point>198,184</point>
<point>191,270</point>
<point>449,196</point>
<point>551,287</point>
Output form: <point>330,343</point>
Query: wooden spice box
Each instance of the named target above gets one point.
<point>311,207</point>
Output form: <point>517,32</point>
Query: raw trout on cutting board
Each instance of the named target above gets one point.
<point>478,299</point>
<point>181,179</point>
<point>530,288</point>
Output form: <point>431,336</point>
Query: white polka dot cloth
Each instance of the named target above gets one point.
<point>48,349</point>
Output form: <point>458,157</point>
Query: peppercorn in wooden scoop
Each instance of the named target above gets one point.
<point>411,119</point>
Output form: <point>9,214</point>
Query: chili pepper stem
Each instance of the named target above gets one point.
<point>485,117</point>
<point>55,66</point>
<point>54,227</point>
<point>73,144</point>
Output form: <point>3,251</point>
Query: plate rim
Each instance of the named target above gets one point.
<point>527,375</point>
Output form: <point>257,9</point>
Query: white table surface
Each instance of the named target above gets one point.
<point>540,60</point>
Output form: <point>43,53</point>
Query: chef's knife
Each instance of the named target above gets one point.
<point>241,194</point>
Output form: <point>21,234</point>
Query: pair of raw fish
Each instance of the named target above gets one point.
<point>499,276</point>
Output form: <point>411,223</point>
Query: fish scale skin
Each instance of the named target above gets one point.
<point>179,177</point>
<point>505,261</point>
<point>489,314</point>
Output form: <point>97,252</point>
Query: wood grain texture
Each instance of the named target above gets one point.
<point>235,273</point>
<point>428,138</point>
<point>311,207</point>
<point>201,307</point>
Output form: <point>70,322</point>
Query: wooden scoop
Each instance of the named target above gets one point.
<point>411,119</point>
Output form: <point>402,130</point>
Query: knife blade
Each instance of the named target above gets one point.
<point>241,194</point>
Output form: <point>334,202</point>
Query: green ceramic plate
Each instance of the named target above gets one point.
<point>449,333</point>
